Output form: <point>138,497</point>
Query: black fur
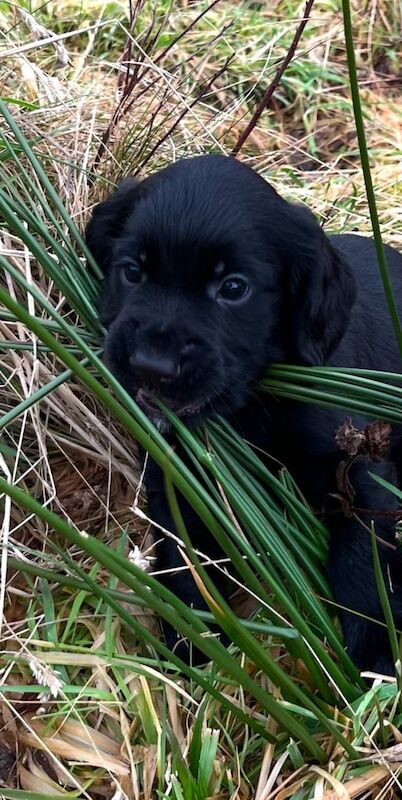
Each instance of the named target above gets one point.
<point>310,300</point>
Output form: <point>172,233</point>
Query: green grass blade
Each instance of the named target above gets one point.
<point>365,162</point>
<point>386,607</point>
<point>49,190</point>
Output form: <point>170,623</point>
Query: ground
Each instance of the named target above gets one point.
<point>121,90</point>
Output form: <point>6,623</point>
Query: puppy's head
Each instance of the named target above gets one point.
<point>210,276</point>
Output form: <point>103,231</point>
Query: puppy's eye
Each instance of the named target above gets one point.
<point>233,289</point>
<point>132,272</point>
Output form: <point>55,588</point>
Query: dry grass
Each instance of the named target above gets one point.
<point>114,727</point>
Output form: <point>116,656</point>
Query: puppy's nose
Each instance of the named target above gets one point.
<point>154,368</point>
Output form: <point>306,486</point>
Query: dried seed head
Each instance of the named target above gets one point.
<point>372,442</point>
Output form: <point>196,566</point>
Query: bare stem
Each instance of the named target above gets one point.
<point>276,81</point>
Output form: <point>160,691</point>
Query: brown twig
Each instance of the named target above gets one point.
<point>127,82</point>
<point>205,89</point>
<point>124,76</point>
<point>188,28</point>
<point>178,66</point>
<point>377,512</point>
<point>262,105</point>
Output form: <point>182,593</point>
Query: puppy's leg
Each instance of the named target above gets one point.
<point>351,569</point>
<point>174,573</point>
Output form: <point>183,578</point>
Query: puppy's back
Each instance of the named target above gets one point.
<point>370,341</point>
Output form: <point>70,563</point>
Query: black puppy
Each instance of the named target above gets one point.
<point>210,276</point>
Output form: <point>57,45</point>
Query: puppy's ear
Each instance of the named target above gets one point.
<point>319,285</point>
<point>108,219</point>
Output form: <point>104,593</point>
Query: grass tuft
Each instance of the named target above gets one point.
<point>92,705</point>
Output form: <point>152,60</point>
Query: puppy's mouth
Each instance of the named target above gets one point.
<point>149,403</point>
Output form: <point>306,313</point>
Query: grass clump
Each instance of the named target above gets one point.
<point>91,700</point>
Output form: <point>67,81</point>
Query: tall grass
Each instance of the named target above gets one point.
<point>277,543</point>
<point>285,692</point>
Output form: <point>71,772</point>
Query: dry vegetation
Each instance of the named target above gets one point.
<point>111,724</point>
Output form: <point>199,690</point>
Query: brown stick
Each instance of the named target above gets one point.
<point>185,111</point>
<point>275,83</point>
<point>128,83</point>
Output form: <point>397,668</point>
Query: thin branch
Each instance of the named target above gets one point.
<point>128,83</point>
<point>188,108</point>
<point>188,28</point>
<point>275,83</point>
